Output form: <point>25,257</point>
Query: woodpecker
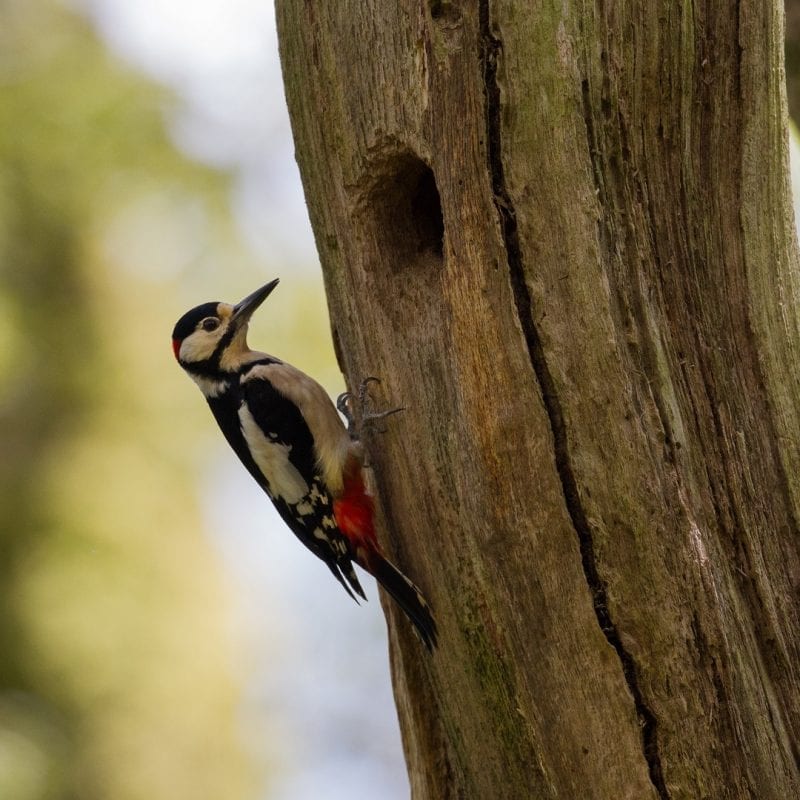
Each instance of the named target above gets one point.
<point>288,434</point>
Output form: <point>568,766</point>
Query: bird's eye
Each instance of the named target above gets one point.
<point>209,324</point>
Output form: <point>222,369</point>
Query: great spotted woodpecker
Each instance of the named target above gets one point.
<point>287,433</point>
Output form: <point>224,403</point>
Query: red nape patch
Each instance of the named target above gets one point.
<point>176,348</point>
<point>354,509</point>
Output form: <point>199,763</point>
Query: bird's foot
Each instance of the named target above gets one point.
<point>362,419</point>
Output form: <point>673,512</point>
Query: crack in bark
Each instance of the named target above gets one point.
<point>490,47</point>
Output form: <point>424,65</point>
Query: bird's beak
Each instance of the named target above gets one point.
<point>243,310</point>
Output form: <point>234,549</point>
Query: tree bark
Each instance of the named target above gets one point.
<point>562,236</point>
<point>792,56</point>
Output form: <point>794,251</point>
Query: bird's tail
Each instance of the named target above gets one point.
<point>408,596</point>
<point>354,515</point>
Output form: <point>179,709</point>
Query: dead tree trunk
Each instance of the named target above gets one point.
<point>561,233</point>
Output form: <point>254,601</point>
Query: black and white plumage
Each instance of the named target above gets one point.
<point>287,433</point>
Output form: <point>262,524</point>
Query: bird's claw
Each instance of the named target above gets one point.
<point>357,410</point>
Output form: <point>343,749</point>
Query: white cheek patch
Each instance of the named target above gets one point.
<point>272,459</point>
<point>199,346</point>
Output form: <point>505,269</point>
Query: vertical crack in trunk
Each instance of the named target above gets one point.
<point>490,47</point>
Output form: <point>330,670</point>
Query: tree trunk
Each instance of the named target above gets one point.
<point>561,234</point>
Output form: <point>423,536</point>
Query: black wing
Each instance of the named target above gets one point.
<point>311,519</point>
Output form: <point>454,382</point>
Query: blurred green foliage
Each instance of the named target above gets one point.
<point>118,675</point>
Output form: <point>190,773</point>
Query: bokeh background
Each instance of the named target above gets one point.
<point>162,635</point>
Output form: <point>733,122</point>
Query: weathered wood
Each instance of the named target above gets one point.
<point>561,235</point>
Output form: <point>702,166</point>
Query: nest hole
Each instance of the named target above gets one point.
<point>407,212</point>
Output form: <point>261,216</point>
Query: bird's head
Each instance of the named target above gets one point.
<point>212,335</point>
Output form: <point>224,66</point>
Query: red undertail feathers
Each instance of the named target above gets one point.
<point>354,514</point>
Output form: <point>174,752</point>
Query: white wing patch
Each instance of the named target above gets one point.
<point>272,458</point>
<point>332,444</point>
